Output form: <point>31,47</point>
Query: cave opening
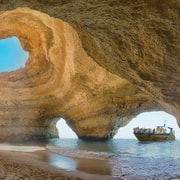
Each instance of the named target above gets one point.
<point>64,130</point>
<point>12,55</point>
<point>148,120</point>
<point>145,119</point>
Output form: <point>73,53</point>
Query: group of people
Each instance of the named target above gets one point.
<point>149,130</point>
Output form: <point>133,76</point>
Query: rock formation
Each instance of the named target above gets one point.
<point>98,67</point>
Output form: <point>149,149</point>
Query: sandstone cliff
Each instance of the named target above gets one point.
<point>95,63</point>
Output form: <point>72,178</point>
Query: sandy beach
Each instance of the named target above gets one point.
<point>32,165</point>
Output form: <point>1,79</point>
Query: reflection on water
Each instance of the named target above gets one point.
<point>74,154</point>
<point>91,166</point>
<point>62,162</point>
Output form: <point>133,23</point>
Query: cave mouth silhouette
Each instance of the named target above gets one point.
<point>64,130</point>
<point>12,54</point>
<point>146,119</point>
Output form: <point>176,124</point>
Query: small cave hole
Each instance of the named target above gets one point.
<point>64,130</point>
<point>12,55</point>
<point>148,120</point>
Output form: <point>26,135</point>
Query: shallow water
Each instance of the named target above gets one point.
<point>125,158</point>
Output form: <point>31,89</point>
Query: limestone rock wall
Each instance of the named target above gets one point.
<point>121,58</point>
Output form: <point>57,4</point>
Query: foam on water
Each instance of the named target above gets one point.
<point>80,153</point>
<point>7,147</point>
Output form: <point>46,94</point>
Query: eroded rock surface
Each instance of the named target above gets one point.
<point>121,59</point>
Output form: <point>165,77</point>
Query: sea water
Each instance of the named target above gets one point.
<point>119,158</point>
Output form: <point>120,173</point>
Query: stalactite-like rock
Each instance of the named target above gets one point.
<point>98,76</point>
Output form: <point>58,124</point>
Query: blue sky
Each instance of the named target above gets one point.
<point>13,57</point>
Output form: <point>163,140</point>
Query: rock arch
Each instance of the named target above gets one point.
<point>61,80</point>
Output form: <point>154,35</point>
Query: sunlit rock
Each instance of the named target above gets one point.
<point>119,60</point>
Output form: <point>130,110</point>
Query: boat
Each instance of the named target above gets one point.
<point>160,133</point>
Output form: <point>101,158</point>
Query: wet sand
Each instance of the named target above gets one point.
<point>35,165</point>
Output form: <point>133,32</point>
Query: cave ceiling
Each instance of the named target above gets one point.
<point>96,64</point>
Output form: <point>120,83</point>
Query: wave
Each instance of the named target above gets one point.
<point>80,153</point>
<point>7,147</point>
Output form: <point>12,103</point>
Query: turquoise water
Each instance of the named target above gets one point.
<point>121,158</point>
